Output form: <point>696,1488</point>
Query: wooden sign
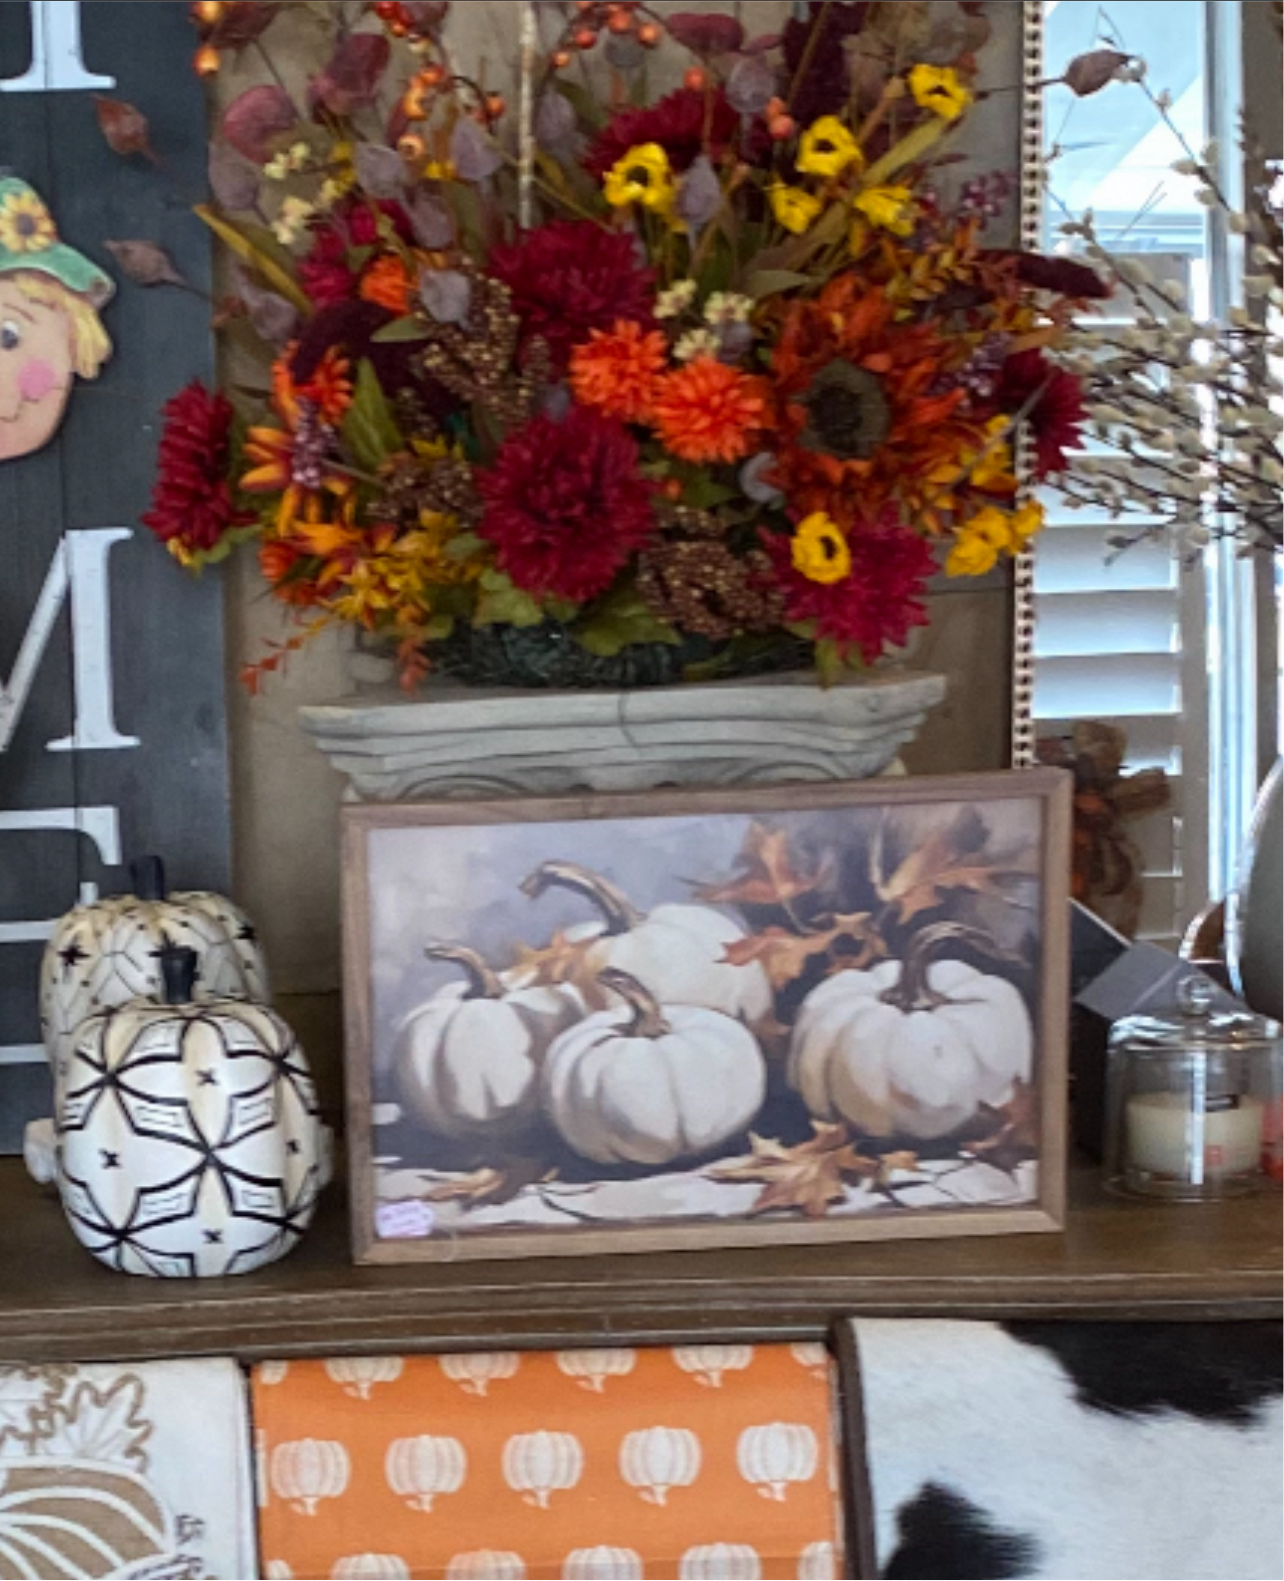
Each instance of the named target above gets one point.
<point>112,717</point>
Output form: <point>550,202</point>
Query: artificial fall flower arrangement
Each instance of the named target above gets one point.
<point>699,377</point>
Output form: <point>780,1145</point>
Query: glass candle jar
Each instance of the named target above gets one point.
<point>1193,1100</point>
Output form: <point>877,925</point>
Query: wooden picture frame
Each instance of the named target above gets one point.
<point>508,1130</point>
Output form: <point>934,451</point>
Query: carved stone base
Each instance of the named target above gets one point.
<point>454,740</point>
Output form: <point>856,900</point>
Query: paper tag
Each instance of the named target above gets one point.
<point>410,1220</point>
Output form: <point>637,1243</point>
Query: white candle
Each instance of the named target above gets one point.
<point>1166,1138</point>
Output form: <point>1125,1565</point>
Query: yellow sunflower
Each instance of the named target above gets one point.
<point>26,225</point>
<point>819,549</point>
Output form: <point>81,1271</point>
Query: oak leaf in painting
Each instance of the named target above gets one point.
<point>1015,1137</point>
<point>491,1187</point>
<point>810,1175</point>
<point>953,857</point>
<point>770,877</point>
<point>785,956</point>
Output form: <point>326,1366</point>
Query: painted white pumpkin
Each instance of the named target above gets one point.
<point>818,1562</point>
<point>675,951</point>
<point>537,1465</point>
<point>648,1084</point>
<point>720,1562</point>
<point>655,1460</point>
<point>422,1469</point>
<point>591,1368</point>
<point>475,1371</point>
<point>468,1059</point>
<point>707,1363</point>
<point>188,1137</point>
<point>357,1375</point>
<point>486,1564</point>
<point>304,1471</point>
<point>911,1048</point>
<point>371,1567</point>
<point>776,1454</point>
<point>603,1564</point>
<point>104,954</point>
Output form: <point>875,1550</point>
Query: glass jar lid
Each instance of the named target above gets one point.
<point>1195,1025</point>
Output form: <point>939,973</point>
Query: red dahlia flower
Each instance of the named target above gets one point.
<point>1056,415</point>
<point>192,505</point>
<point>325,274</point>
<point>569,277</point>
<point>565,505</point>
<point>677,122</point>
<point>875,605</point>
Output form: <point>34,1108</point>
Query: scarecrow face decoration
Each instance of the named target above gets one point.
<point>49,325</point>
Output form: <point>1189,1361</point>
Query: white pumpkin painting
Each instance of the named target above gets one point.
<point>819,1012</point>
<point>189,1143</point>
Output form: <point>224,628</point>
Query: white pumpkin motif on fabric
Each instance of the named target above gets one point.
<point>812,1356</point>
<point>306,1471</point>
<point>486,1565</point>
<point>720,1562</point>
<point>104,954</point>
<point>278,1570</point>
<point>775,1455</point>
<point>911,1048</point>
<point>475,1371</point>
<point>189,1139</point>
<point>56,1512</point>
<point>591,1368</point>
<point>706,1364</point>
<point>358,1375</point>
<point>272,1372</point>
<point>371,1567</point>
<point>655,1460</point>
<point>818,1562</point>
<point>425,1468</point>
<point>603,1564</point>
<point>537,1465</point>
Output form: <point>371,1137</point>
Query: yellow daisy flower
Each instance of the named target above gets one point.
<point>26,225</point>
<point>1025,523</point>
<point>937,88</point>
<point>819,549</point>
<point>643,176</point>
<point>795,209</point>
<point>890,208</point>
<point>826,148</point>
<point>979,544</point>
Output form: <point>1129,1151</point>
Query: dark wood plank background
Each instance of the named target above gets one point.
<point>171,791</point>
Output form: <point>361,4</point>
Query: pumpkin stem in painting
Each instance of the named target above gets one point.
<point>147,874</point>
<point>913,991</point>
<point>647,1021</point>
<point>178,972</point>
<point>483,981</point>
<point>619,911</point>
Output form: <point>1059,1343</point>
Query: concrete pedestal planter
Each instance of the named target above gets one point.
<point>455,740</point>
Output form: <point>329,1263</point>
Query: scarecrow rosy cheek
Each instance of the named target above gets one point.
<point>36,379</point>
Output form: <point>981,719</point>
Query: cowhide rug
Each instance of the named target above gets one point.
<point>1102,1451</point>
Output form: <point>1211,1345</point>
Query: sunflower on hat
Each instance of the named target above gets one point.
<point>29,240</point>
<point>26,225</point>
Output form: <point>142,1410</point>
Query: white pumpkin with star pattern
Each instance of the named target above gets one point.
<point>104,954</point>
<point>188,1137</point>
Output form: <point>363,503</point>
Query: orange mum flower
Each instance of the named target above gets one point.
<point>330,386</point>
<point>389,283</point>
<point>615,371</point>
<point>708,411</point>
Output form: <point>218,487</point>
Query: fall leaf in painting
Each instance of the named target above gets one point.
<point>490,1187</point>
<point>785,956</point>
<point>952,857</point>
<point>1015,1137</point>
<point>769,877</point>
<point>563,960</point>
<point>811,1175</point>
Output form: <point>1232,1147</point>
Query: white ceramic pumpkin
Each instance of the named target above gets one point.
<point>468,1059</point>
<point>106,953</point>
<point>675,951</point>
<point>188,1137</point>
<point>911,1048</point>
<point>648,1084</point>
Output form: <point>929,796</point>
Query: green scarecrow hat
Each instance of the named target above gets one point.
<point>29,240</point>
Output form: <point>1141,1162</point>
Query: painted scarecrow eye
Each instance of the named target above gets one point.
<point>10,335</point>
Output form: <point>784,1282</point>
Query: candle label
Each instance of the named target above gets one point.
<point>1218,1105</point>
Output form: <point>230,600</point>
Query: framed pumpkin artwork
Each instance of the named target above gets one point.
<point>707,1017</point>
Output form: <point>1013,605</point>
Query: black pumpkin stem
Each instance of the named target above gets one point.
<point>483,980</point>
<point>180,968</point>
<point>147,874</point>
<point>619,911</point>
<point>648,1019</point>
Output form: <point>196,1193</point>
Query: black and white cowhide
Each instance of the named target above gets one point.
<point>1101,1451</point>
